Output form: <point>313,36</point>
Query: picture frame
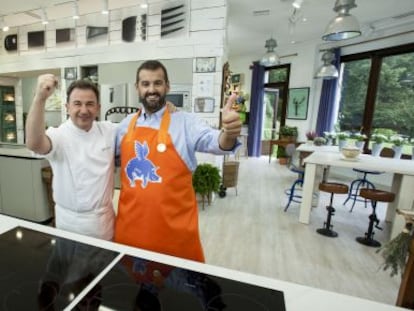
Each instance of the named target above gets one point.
<point>236,78</point>
<point>298,101</point>
<point>204,104</point>
<point>205,64</point>
<point>71,73</point>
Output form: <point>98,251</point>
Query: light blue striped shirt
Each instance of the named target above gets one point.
<point>188,133</point>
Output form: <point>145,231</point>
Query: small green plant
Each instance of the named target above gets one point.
<point>319,141</point>
<point>288,131</point>
<point>378,138</point>
<point>397,140</point>
<point>342,135</point>
<point>206,180</point>
<point>359,136</point>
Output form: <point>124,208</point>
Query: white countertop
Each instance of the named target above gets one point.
<point>297,297</point>
<point>18,151</point>
<point>364,161</point>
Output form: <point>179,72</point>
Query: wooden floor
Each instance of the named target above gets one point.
<point>250,232</point>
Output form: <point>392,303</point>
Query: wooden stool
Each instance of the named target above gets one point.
<point>332,188</point>
<point>374,195</point>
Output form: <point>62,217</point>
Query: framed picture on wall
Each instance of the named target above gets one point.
<point>205,64</point>
<point>298,101</point>
<point>236,78</point>
<point>70,73</point>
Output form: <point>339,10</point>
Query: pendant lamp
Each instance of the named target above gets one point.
<point>344,25</point>
<point>327,71</point>
<point>270,58</point>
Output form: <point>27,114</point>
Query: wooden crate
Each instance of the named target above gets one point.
<point>230,173</point>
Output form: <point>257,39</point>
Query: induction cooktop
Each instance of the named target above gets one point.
<point>138,284</point>
<point>45,272</point>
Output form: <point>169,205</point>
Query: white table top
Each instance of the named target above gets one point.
<point>364,161</point>
<point>313,148</point>
<point>297,297</point>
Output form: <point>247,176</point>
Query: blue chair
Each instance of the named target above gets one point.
<point>294,166</point>
<point>357,185</point>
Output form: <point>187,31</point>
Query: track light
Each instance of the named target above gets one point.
<point>75,10</point>
<point>270,58</point>
<point>3,24</point>
<point>45,20</point>
<point>105,9</point>
<point>297,4</point>
<point>344,25</point>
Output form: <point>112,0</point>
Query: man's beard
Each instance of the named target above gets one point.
<point>152,105</point>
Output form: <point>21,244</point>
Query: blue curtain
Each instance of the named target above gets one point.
<point>256,111</point>
<point>326,112</point>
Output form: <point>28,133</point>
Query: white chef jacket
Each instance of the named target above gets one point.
<point>83,177</point>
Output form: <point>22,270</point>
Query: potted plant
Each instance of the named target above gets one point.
<point>359,139</point>
<point>206,180</point>
<point>330,136</point>
<point>319,141</point>
<point>342,138</point>
<point>289,133</point>
<point>311,135</point>
<point>397,145</point>
<point>377,142</point>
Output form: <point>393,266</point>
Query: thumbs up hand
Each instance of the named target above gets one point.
<point>231,124</point>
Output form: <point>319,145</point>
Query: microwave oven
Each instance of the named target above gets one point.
<point>180,96</point>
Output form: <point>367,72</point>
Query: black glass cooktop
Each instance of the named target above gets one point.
<point>138,284</point>
<point>44,272</point>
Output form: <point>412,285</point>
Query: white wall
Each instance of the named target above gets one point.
<point>204,37</point>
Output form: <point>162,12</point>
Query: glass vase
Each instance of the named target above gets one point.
<point>341,143</point>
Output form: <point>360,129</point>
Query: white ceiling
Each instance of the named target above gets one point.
<point>246,32</point>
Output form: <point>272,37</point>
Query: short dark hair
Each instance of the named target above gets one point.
<point>152,65</point>
<point>83,85</point>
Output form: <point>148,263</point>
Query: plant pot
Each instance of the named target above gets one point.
<point>283,161</point>
<point>359,144</point>
<point>397,151</point>
<point>376,149</point>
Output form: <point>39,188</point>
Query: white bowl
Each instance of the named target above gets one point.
<point>350,152</point>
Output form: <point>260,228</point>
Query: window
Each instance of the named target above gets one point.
<point>276,83</point>
<point>377,91</point>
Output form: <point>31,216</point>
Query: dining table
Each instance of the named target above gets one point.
<point>402,185</point>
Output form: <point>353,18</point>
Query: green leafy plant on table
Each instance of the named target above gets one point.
<point>287,133</point>
<point>206,180</point>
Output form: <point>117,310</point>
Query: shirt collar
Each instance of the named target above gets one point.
<point>157,115</point>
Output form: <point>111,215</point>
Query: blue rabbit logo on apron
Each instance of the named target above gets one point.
<point>141,168</point>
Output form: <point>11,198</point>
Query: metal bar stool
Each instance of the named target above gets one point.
<point>357,185</point>
<point>375,196</point>
<point>294,192</point>
<point>332,188</point>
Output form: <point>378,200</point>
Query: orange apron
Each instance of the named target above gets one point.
<point>157,207</point>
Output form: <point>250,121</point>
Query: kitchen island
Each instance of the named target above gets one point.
<point>284,295</point>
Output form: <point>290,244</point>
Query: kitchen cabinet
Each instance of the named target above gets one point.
<point>23,193</point>
<point>8,131</point>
